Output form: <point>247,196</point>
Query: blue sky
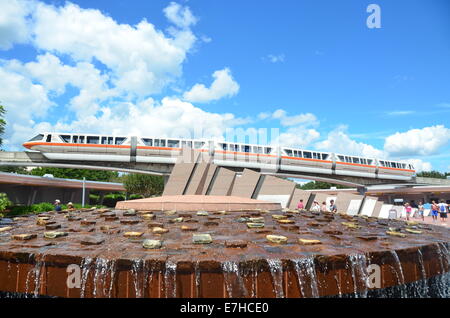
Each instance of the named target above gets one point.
<point>313,69</point>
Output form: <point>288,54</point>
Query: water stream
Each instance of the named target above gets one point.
<point>85,269</point>
<point>358,267</point>
<point>306,275</point>
<point>170,279</point>
<point>233,279</point>
<point>276,269</point>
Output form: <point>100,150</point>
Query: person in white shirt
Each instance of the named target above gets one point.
<point>315,207</point>
<point>443,209</point>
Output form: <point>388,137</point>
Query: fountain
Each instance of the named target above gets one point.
<point>215,254</point>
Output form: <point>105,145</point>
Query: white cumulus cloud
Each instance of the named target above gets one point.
<point>223,86</point>
<point>297,137</point>
<point>419,165</point>
<point>285,120</point>
<point>14,27</point>
<point>171,117</point>
<point>142,60</point>
<point>339,142</point>
<point>422,142</point>
<point>179,15</point>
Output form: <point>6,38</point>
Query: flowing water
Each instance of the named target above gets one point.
<point>197,278</point>
<point>233,279</point>
<point>34,275</point>
<point>306,275</point>
<point>358,267</point>
<point>170,279</point>
<point>276,269</point>
<point>399,273</point>
<point>85,269</point>
<point>137,268</point>
<point>422,290</point>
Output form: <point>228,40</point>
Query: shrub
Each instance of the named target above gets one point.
<point>111,199</point>
<point>135,196</point>
<point>94,199</point>
<point>42,207</point>
<point>4,202</point>
<point>145,185</point>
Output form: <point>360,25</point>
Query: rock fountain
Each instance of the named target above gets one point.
<point>118,253</point>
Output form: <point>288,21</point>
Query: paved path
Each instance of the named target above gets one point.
<point>429,220</point>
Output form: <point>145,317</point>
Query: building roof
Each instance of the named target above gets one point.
<point>27,180</point>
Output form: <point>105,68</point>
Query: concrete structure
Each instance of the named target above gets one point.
<point>222,182</point>
<point>349,202</point>
<point>297,196</point>
<point>28,190</point>
<point>276,189</point>
<point>246,184</point>
<point>208,179</point>
<point>179,179</point>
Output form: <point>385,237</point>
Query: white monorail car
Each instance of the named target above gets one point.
<point>90,147</point>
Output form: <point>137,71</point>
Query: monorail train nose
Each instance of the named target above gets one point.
<point>27,145</point>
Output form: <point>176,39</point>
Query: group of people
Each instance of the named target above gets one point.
<point>437,209</point>
<point>58,206</point>
<point>316,207</point>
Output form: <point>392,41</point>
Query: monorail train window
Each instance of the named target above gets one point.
<point>173,143</point>
<point>369,161</point>
<point>363,161</point>
<point>316,155</point>
<point>258,149</point>
<point>198,144</point>
<point>296,153</point>
<point>324,156</point>
<point>288,152</point>
<point>224,146</point>
<point>65,138</point>
<point>120,140</point>
<point>246,148</point>
<point>341,158</point>
<point>49,138</point>
<point>107,141</point>
<point>93,139</point>
<point>307,154</point>
<point>147,141</point>
<point>185,144</point>
<point>268,150</point>
<point>160,142</point>
<point>234,147</point>
<point>38,137</point>
<point>356,160</point>
<point>78,139</point>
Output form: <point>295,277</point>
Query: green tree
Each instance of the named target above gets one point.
<point>2,123</point>
<point>143,184</point>
<point>432,174</point>
<point>13,169</point>
<point>92,175</point>
<point>315,185</point>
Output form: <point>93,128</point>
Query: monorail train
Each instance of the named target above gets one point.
<point>90,147</point>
